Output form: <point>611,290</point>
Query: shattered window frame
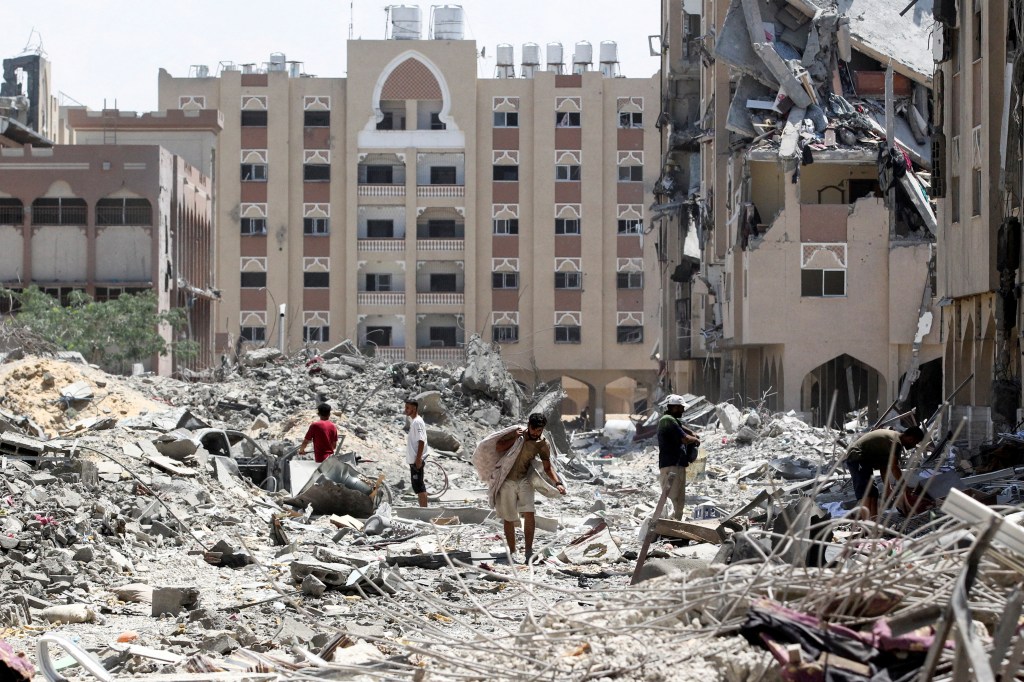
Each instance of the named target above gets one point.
<point>566,333</point>
<point>568,119</point>
<point>505,173</point>
<point>630,226</point>
<point>316,119</point>
<point>378,281</point>
<point>380,228</point>
<point>568,280</point>
<point>254,118</point>
<point>254,172</point>
<point>373,332</point>
<point>631,173</point>
<point>253,334</point>
<point>446,175</point>
<point>316,172</point>
<point>252,280</point>
<point>629,333</point>
<point>316,280</point>
<point>253,226</point>
<point>316,334</point>
<point>505,333</point>
<point>631,119</point>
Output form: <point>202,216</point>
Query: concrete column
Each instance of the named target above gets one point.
<point>597,404</point>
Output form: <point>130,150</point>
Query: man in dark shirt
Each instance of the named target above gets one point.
<point>322,433</point>
<point>675,443</point>
<point>878,450</point>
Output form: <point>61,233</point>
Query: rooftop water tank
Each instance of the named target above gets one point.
<point>582,57</point>
<point>555,61</point>
<point>277,61</point>
<point>531,59</point>
<point>609,55</point>
<point>505,65</point>
<point>404,21</point>
<point>448,22</point>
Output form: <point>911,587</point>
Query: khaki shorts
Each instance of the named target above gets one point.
<point>514,498</point>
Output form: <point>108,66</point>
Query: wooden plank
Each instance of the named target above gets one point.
<point>696,531</point>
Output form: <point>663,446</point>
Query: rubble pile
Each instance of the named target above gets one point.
<point>171,541</point>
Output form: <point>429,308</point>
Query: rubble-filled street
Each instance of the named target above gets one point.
<point>155,528</point>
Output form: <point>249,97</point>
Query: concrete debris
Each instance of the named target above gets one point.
<point>98,545</point>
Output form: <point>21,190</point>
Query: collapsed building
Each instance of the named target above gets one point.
<point>798,230</point>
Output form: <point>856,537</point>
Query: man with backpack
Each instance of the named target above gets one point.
<point>677,448</point>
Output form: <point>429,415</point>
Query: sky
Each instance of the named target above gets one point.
<point>110,51</point>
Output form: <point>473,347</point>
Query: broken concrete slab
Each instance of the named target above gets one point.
<point>174,600</point>
<point>783,73</point>
<point>733,46</point>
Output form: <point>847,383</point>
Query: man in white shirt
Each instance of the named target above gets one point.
<point>416,449</point>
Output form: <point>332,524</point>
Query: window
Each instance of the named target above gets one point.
<point>123,212</point>
<point>380,175</point>
<point>631,173</point>
<point>505,333</point>
<point>629,334</point>
<point>629,280</point>
<point>254,225</point>
<point>253,334</point>
<point>59,211</point>
<point>569,119</point>
<point>506,173</point>
<point>568,280</point>
<point>442,336</point>
<point>567,334</point>
<point>378,282</point>
<point>391,121</point>
<point>634,119</point>
<point>317,334</point>
<point>254,119</point>
<point>380,229</point>
<point>316,226</point>
<point>379,336</point>
<point>436,123</point>
<point>253,280</point>
<point>976,196</point>
<point>316,172</point>
<point>12,212</point>
<point>506,119</point>
<point>822,283</point>
<point>316,280</point>
<point>567,225</point>
<point>630,226</point>
<point>316,119</point>
<point>441,229</point>
<point>506,226</point>
<point>567,173</point>
<point>442,175</point>
<point>254,172</point>
<point>505,280</point>
<point>442,282</point>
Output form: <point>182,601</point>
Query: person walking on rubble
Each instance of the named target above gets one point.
<point>416,449</point>
<point>878,450</point>
<point>322,433</point>
<point>677,448</point>
<point>505,461</point>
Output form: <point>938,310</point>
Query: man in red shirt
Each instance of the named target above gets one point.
<point>322,433</point>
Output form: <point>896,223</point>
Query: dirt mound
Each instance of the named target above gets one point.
<point>32,387</point>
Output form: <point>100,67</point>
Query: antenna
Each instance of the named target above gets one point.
<point>351,19</point>
<point>38,47</point>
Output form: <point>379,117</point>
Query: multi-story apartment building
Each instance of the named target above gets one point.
<point>813,281</point>
<point>412,204</point>
<point>979,86</point>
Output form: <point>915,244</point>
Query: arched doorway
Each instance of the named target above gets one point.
<point>925,394</point>
<point>854,384</point>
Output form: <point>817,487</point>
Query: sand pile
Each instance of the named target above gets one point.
<point>32,387</point>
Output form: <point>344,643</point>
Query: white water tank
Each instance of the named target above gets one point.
<point>277,61</point>
<point>609,56</point>
<point>506,60</point>
<point>583,57</point>
<point>404,21</point>
<point>202,71</point>
<point>531,59</point>
<point>448,22</point>
<point>554,55</point>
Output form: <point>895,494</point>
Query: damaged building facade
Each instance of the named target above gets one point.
<point>812,218</point>
<point>411,203</point>
<point>979,89</point>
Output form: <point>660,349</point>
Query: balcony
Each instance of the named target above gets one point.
<point>440,298</point>
<point>442,356</point>
<point>380,298</point>
<point>390,353</point>
<point>440,244</point>
<point>379,245</point>
<point>440,191</point>
<point>381,190</point>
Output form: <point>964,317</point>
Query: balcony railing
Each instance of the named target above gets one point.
<point>59,215</point>
<point>381,190</point>
<point>440,244</point>
<point>440,298</point>
<point>441,191</point>
<point>12,215</point>
<point>381,244</point>
<point>380,298</point>
<point>442,356</point>
<point>390,353</point>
